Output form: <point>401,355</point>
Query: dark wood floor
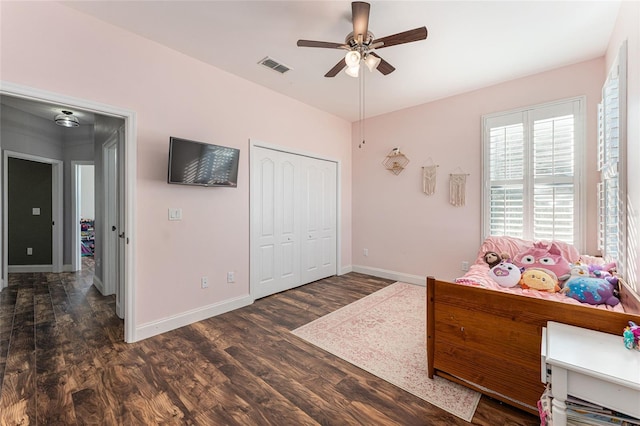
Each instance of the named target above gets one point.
<point>62,361</point>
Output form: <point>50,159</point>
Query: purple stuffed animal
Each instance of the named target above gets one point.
<point>594,291</point>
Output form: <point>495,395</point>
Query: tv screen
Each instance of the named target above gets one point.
<point>202,164</point>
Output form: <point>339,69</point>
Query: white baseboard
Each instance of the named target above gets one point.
<point>345,270</point>
<point>29,268</point>
<point>150,329</point>
<point>391,275</point>
<point>68,268</point>
<point>97,282</point>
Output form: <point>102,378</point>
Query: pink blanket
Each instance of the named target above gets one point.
<point>478,272</point>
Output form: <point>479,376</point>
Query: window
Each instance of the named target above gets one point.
<point>532,168</point>
<point>611,149</point>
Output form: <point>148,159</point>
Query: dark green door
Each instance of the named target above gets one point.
<point>29,212</point>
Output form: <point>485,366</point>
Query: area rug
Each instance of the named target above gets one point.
<point>385,334</point>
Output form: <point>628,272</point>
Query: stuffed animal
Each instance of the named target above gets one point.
<point>492,258</point>
<point>539,279</point>
<point>544,256</point>
<point>631,336</point>
<point>605,271</point>
<point>506,274</point>
<point>591,290</point>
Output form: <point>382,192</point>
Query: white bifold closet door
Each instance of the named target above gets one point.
<point>293,224</point>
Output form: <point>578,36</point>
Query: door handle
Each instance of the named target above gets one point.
<point>113,228</point>
<point>121,235</point>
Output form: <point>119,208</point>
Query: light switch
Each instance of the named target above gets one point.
<point>175,214</point>
<point>36,211</point>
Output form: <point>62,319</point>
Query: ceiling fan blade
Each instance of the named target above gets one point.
<point>384,67</point>
<point>404,37</point>
<point>326,44</point>
<point>337,68</point>
<point>360,17</point>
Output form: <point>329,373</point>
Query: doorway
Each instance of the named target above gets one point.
<point>83,210</point>
<point>126,175</point>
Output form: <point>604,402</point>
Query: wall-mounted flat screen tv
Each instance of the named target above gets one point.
<point>202,164</point>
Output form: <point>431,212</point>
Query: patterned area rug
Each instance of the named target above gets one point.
<point>384,334</point>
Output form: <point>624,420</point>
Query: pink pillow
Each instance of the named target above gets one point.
<point>509,245</point>
<point>513,246</point>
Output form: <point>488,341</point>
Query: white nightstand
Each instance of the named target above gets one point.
<point>592,366</point>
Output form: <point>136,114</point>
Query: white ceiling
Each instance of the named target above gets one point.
<point>471,44</point>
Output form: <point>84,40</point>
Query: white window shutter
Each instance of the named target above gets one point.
<point>531,172</point>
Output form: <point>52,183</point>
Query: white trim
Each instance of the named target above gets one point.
<point>506,117</point>
<point>391,275</point>
<point>30,268</point>
<point>76,263</point>
<point>97,282</point>
<point>345,270</point>
<point>129,174</point>
<point>173,322</point>
<point>57,231</point>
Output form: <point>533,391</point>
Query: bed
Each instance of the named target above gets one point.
<point>490,340</point>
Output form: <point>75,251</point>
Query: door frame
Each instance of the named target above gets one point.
<point>127,173</point>
<point>254,143</point>
<point>76,262</point>
<point>57,247</point>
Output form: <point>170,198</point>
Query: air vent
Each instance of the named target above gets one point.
<point>274,65</point>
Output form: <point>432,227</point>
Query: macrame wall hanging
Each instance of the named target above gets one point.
<point>457,188</point>
<point>429,173</point>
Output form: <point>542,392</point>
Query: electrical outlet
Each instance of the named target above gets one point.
<point>231,277</point>
<point>465,265</point>
<point>204,282</point>
<point>29,251</point>
<point>365,252</point>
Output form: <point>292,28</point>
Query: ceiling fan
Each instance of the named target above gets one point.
<point>360,44</point>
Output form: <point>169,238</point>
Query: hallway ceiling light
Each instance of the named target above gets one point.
<point>66,119</point>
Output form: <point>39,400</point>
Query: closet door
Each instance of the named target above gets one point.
<point>293,228</point>
<point>318,220</point>
<point>275,228</point>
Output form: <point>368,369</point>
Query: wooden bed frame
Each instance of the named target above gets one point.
<point>490,341</point>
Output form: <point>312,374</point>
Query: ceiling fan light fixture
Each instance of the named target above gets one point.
<point>372,62</point>
<point>66,119</point>
<point>353,71</point>
<point>352,58</point>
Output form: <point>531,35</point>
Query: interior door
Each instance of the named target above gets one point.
<point>30,212</point>
<point>123,238</point>
<point>319,220</point>
<point>276,247</point>
<point>111,225</point>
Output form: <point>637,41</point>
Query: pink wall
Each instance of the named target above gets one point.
<point>172,95</point>
<point>628,28</point>
<point>408,232</point>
